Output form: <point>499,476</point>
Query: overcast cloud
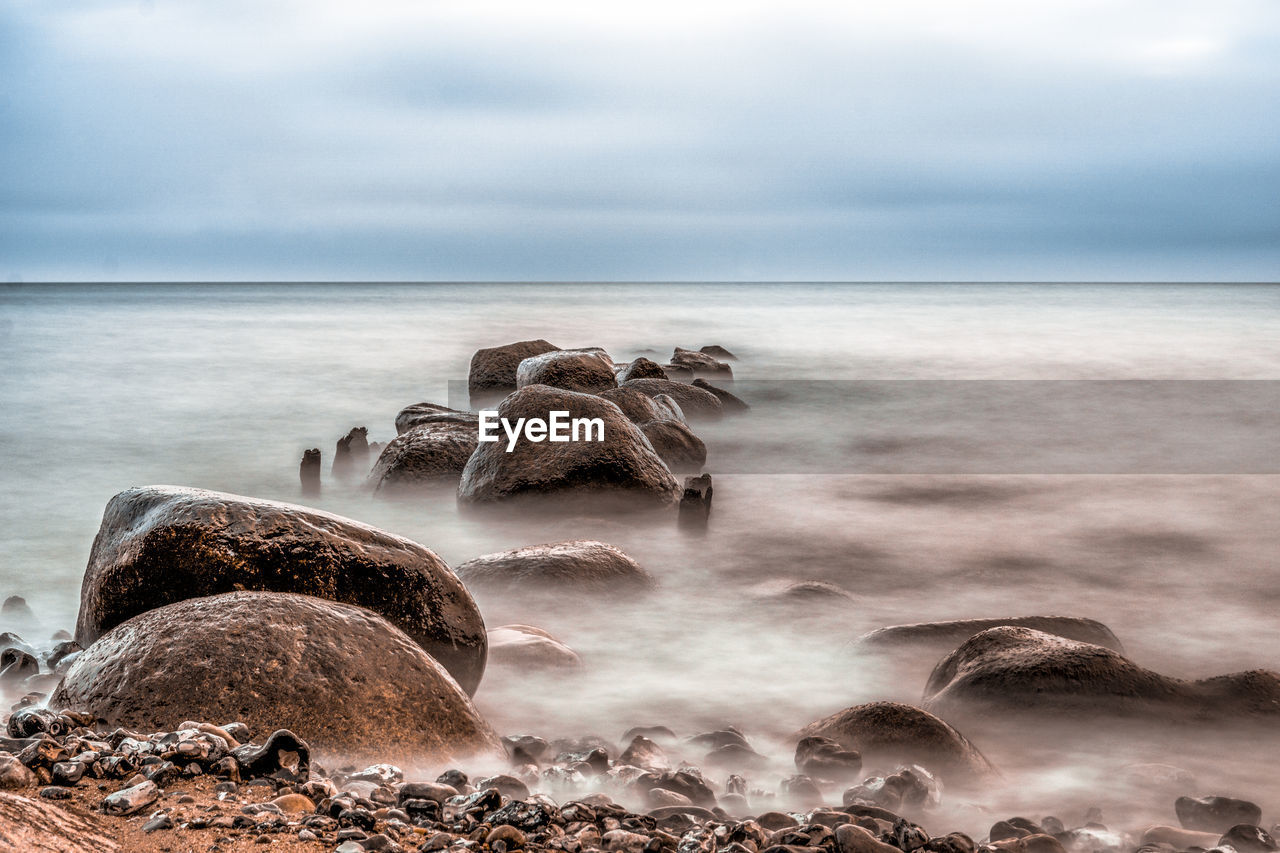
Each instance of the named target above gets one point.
<point>656,140</point>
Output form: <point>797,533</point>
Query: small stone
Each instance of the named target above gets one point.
<point>132,799</point>
<point>294,804</point>
<point>14,774</point>
<point>160,821</point>
<point>54,792</point>
<point>508,835</point>
<point>1246,838</point>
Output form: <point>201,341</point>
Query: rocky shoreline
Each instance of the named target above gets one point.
<point>247,672</point>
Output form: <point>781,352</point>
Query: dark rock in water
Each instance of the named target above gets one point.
<point>16,665</point>
<point>676,444</point>
<point>678,372</point>
<point>728,736</point>
<point>824,758</point>
<point>494,369</point>
<point>162,544</point>
<point>1248,839</point>
<point>581,565</point>
<point>735,756</point>
<point>644,753</point>
<point>694,402</point>
<point>509,787</point>
<point>1216,814</point>
<point>907,788</point>
<point>638,406</point>
<point>1024,671</point>
<point>700,363</point>
<point>731,403</point>
<point>588,371</point>
<point>429,454</point>
<point>528,648</point>
<point>941,637</point>
<point>620,472</point>
<point>683,782</point>
<point>893,733</point>
<point>309,472</point>
<point>432,413</point>
<point>695,503</point>
<point>327,671</point>
<point>15,607</point>
<point>641,368</point>
<point>351,455</point>
<point>658,734</point>
<point>811,596</point>
<point>717,351</point>
<point>10,640</point>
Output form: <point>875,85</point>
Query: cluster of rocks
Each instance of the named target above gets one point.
<point>81,784</point>
<point>647,410</point>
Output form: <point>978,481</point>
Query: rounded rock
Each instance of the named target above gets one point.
<point>339,677</point>
<point>161,544</point>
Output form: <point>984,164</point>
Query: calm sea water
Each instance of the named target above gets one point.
<point>223,386</point>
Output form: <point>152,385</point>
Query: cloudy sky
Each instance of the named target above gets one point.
<point>248,139</point>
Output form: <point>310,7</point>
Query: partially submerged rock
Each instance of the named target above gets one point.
<point>432,413</point>
<point>579,566</point>
<point>494,369</point>
<point>938,638</point>
<point>588,371</point>
<point>620,472</point>
<point>638,406</point>
<point>527,648</point>
<point>694,402</point>
<point>343,678</point>
<point>731,403</point>
<point>429,454</point>
<point>641,368</point>
<point>700,363</point>
<point>676,444</point>
<point>162,544</point>
<point>893,733</point>
<point>1023,671</point>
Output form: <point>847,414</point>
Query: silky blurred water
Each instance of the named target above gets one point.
<point>223,386</point>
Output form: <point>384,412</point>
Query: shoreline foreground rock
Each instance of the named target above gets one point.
<point>342,678</point>
<point>162,544</point>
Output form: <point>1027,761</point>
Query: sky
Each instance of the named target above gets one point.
<point>476,140</point>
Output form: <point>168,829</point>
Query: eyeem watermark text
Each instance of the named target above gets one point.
<point>559,427</point>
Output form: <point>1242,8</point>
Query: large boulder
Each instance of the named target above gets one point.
<point>342,678</point>
<point>429,454</point>
<point>938,638</point>
<point>161,544</point>
<point>580,566</point>
<point>622,471</point>
<point>432,413</point>
<point>524,647</point>
<point>494,369</point>
<point>889,733</point>
<point>588,371</point>
<point>694,402</point>
<point>676,444</point>
<point>731,403</point>
<point>1011,670</point>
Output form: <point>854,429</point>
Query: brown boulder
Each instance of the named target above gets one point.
<point>429,454</point>
<point>892,733</point>
<point>579,566</point>
<point>1010,670</point>
<point>641,368</point>
<point>494,369</point>
<point>635,404</point>
<point>622,471</point>
<point>589,371</point>
<point>342,678</point>
<point>694,402</point>
<point>432,413</point>
<point>676,445</point>
<point>161,544</point>
<point>700,363</point>
<point>938,638</point>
